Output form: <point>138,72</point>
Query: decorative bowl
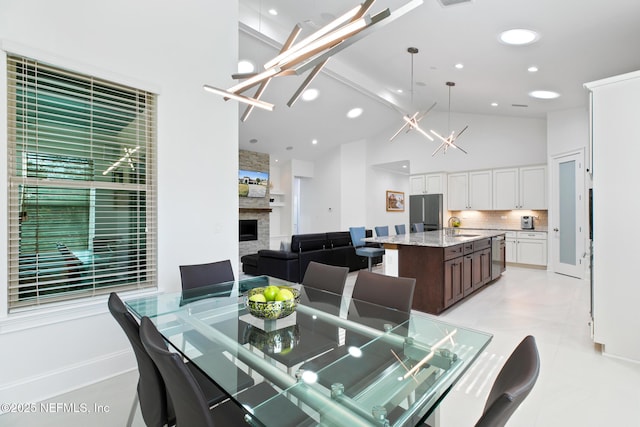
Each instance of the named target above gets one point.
<point>271,309</point>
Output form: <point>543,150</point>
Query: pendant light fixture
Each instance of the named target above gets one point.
<point>450,140</point>
<point>311,53</point>
<point>411,122</point>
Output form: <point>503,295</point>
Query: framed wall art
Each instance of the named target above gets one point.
<point>395,201</point>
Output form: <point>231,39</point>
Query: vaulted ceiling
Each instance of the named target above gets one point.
<point>580,41</point>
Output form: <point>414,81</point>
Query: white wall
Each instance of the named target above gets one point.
<point>378,182</point>
<point>567,131</point>
<point>491,141</point>
<point>48,352</point>
<point>320,195</point>
<point>354,190</point>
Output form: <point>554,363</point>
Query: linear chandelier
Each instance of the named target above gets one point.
<point>310,53</point>
<point>411,122</point>
<point>448,142</point>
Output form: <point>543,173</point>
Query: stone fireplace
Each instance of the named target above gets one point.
<point>254,208</point>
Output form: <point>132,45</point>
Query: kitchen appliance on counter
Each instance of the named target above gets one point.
<point>426,209</point>
<point>526,222</point>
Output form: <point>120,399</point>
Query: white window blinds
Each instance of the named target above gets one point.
<point>82,195</point>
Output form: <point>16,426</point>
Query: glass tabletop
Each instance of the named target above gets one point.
<point>340,361</point>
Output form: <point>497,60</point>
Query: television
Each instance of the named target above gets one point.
<point>252,183</point>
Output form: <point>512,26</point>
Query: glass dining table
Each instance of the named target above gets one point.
<point>340,361</point>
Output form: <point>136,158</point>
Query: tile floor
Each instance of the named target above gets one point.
<point>577,386</point>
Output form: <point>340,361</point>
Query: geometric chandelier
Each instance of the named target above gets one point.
<point>449,142</point>
<point>310,53</point>
<point>412,122</point>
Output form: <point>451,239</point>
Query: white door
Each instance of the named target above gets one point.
<point>568,230</point>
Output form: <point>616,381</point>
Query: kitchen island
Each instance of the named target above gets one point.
<point>448,265</point>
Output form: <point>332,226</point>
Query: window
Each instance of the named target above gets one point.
<point>81,185</point>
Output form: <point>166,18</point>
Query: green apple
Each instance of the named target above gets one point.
<point>284,295</point>
<point>270,292</point>
<point>257,298</point>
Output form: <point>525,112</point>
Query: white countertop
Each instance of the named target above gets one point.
<point>438,238</point>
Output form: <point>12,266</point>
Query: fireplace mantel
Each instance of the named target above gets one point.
<point>259,210</point>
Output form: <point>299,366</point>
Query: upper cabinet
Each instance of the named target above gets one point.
<point>520,188</point>
<point>428,184</point>
<point>470,190</point>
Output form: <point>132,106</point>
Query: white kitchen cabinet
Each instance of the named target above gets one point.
<point>533,187</point>
<point>520,188</point>
<point>532,248</point>
<point>458,190</point>
<point>511,254</point>
<point>427,184</point>
<point>526,247</point>
<point>416,184</point>
<point>470,190</point>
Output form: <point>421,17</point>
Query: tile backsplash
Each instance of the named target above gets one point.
<point>498,219</point>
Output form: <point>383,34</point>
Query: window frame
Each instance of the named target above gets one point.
<point>148,187</point>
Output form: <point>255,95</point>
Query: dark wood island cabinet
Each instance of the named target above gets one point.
<point>445,272</point>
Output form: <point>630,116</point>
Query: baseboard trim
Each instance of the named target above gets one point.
<point>68,378</point>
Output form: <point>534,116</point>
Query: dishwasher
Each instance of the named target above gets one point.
<point>498,255</point>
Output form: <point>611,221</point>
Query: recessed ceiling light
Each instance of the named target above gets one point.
<point>354,112</point>
<point>273,12</point>
<point>289,148</point>
<point>253,141</point>
<point>314,141</point>
<point>400,91</point>
<point>494,104</point>
<point>532,69</point>
<point>245,66</point>
<point>404,166</point>
<point>544,94</point>
<point>310,94</point>
<point>519,36</point>
<point>459,66</point>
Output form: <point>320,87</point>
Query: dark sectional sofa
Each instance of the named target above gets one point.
<point>334,248</point>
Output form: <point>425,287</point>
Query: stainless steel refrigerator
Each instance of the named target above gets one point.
<point>427,209</point>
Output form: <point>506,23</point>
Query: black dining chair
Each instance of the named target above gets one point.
<point>214,279</point>
<point>512,385</point>
<point>326,277</point>
<point>188,398</point>
<point>375,293</point>
<point>389,291</point>
<point>197,275</point>
<point>155,407</point>
<point>316,336</point>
